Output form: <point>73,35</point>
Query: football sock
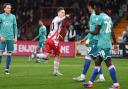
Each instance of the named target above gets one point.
<point>56,66</point>
<point>101,76</point>
<point>37,52</point>
<point>95,73</point>
<point>86,64</point>
<point>37,59</point>
<point>8,61</point>
<point>82,76</point>
<point>100,72</point>
<point>0,59</point>
<point>41,55</point>
<point>112,72</point>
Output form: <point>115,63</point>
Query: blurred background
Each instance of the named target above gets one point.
<point>29,11</point>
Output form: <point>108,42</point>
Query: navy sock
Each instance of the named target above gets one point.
<point>86,66</point>
<point>0,59</point>
<point>37,52</point>
<point>95,73</point>
<point>100,72</point>
<point>112,72</point>
<point>8,61</point>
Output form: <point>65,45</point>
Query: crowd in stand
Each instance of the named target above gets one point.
<point>32,10</point>
<point>124,37</point>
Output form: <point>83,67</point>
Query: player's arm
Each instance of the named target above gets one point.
<point>0,19</point>
<point>96,31</point>
<point>15,29</point>
<point>1,37</point>
<point>41,31</point>
<point>36,37</point>
<point>63,18</point>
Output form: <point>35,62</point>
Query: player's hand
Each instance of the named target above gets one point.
<point>67,15</point>
<point>15,40</point>
<point>82,41</point>
<point>2,39</point>
<point>33,39</point>
<point>87,31</point>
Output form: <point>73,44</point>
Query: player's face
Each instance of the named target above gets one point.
<point>61,13</point>
<point>7,9</point>
<point>40,22</point>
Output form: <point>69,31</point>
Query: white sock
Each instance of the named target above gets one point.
<point>90,82</point>
<point>116,84</point>
<point>101,76</point>
<point>41,55</point>
<point>56,66</point>
<point>38,59</point>
<point>32,56</point>
<point>82,76</point>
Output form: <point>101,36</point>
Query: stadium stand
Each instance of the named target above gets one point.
<point>29,11</point>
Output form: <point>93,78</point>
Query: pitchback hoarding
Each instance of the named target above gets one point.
<point>67,49</point>
<point>26,48</point>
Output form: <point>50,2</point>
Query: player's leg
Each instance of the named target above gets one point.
<point>112,72</point>
<point>33,54</point>
<point>101,76</point>
<point>47,49</point>
<point>86,64</point>
<point>8,62</point>
<point>43,50</point>
<point>111,68</point>
<point>56,51</point>
<point>37,52</point>
<point>2,48</point>
<point>92,52</point>
<point>84,70</point>
<point>56,66</point>
<point>95,73</point>
<point>10,48</point>
<point>1,56</point>
<point>106,55</point>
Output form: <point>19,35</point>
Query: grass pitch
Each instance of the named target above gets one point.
<point>27,74</point>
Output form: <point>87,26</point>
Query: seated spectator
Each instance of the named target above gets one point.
<point>120,39</point>
<point>125,35</point>
<point>71,34</point>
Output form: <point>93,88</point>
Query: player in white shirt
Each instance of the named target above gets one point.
<point>52,41</point>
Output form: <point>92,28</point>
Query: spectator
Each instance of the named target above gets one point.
<point>71,34</point>
<point>125,35</point>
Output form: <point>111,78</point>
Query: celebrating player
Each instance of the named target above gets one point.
<point>52,42</point>
<point>8,33</point>
<point>92,46</point>
<point>42,39</point>
<point>104,32</point>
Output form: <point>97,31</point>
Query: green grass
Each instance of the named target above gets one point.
<point>30,75</point>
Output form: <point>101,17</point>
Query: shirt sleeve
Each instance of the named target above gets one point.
<point>59,19</point>
<point>15,27</point>
<point>99,21</point>
<point>0,23</point>
<point>41,31</point>
<point>88,36</point>
<point>0,19</point>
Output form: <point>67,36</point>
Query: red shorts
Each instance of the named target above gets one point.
<point>51,47</point>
